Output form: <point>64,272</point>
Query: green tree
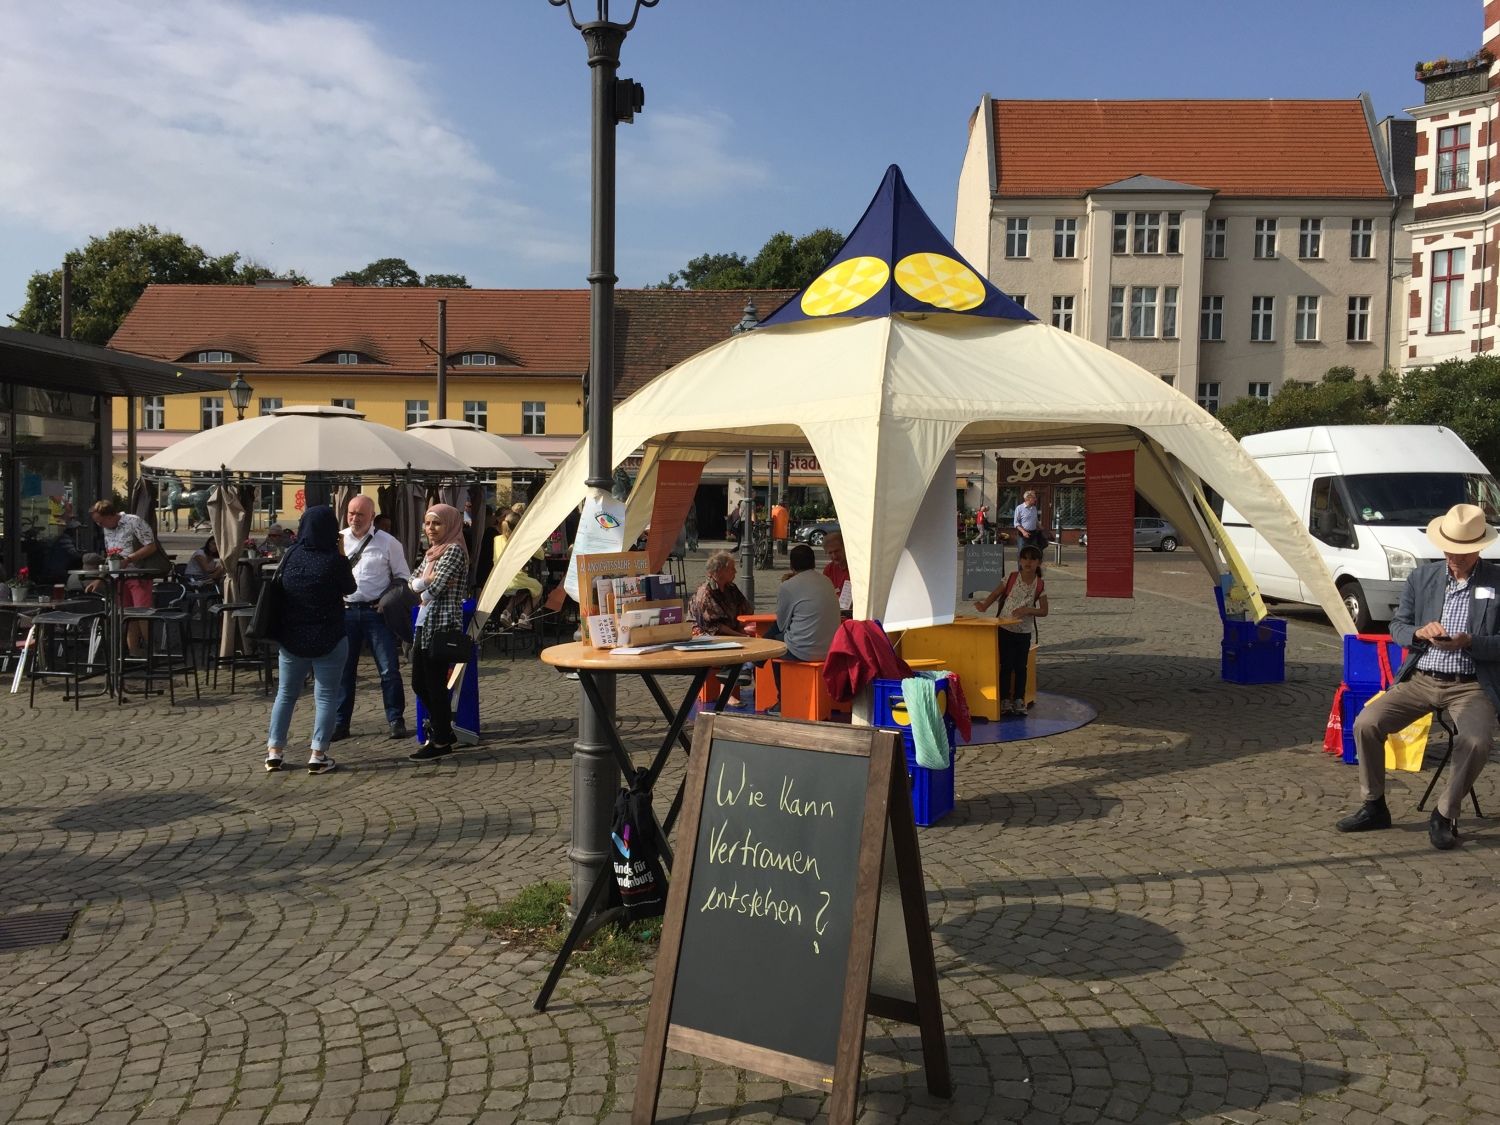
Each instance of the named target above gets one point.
<point>111,272</point>
<point>784,262</point>
<point>1341,398</point>
<point>445,281</point>
<point>386,273</point>
<point>1463,395</point>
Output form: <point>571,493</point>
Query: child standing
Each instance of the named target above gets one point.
<point>1026,594</point>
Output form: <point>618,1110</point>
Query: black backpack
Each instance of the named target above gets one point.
<point>639,876</point>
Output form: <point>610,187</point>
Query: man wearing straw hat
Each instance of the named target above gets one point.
<point>1452,662</point>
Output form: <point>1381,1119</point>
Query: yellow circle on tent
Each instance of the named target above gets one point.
<point>940,281</point>
<point>845,285</point>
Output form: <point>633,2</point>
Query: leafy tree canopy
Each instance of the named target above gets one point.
<point>395,273</point>
<point>1463,395</point>
<point>1342,398</point>
<point>111,272</point>
<point>784,262</point>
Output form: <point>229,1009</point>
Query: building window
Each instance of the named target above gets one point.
<point>1017,234</point>
<point>215,357</point>
<point>1307,320</point>
<point>1215,237</point>
<point>1310,238</point>
<point>348,357</point>
<point>1146,232</point>
<point>1208,397</point>
<point>1122,232</point>
<point>1174,232</point>
<point>1116,312</point>
<point>346,403</point>
<point>1018,298</point>
<point>416,411</point>
<point>267,405</point>
<point>1062,313</point>
<point>1359,320</point>
<point>1447,290</point>
<point>1263,319</point>
<point>1169,313</point>
<point>1265,238</point>
<point>1142,311</point>
<point>1065,238</point>
<point>534,418</point>
<point>1261,391</point>
<point>477,414</point>
<point>212,410</point>
<point>153,412</point>
<point>1211,319</point>
<point>1168,378</point>
<point>1453,158</point>
<point>478,359</point>
<point>1362,238</point>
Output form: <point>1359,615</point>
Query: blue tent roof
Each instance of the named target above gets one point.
<point>895,260</point>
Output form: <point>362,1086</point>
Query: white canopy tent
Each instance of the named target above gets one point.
<point>881,400</point>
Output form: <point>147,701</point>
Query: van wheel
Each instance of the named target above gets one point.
<point>1168,543</point>
<point>1354,602</point>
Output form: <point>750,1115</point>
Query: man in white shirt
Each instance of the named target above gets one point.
<point>377,560</point>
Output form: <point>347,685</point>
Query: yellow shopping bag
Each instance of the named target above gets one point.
<point>1405,749</point>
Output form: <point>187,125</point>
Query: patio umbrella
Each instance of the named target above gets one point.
<point>143,501</point>
<point>229,509</point>
<point>305,439</point>
<point>477,449</point>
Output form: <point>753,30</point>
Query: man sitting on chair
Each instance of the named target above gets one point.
<point>807,612</point>
<point>1452,662</point>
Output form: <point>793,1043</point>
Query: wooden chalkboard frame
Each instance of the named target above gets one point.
<point>887,815</point>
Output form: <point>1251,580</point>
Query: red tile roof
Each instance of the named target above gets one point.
<point>1270,148</point>
<point>544,332</point>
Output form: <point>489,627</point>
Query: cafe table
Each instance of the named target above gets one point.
<point>112,579</point>
<point>696,666</point>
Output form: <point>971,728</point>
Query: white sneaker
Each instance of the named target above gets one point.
<point>1020,706</point>
<point>273,760</point>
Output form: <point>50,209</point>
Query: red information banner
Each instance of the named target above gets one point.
<point>1109,503</point>
<point>676,485</point>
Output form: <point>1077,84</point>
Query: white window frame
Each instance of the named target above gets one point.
<point>1211,318</point>
<point>1017,236</point>
<point>1362,239</point>
<point>1018,298</point>
<point>1145,232</point>
<point>348,358</point>
<point>1307,320</point>
<point>1265,238</point>
<point>1174,232</point>
<point>533,418</point>
<point>477,413</point>
<point>1120,238</point>
<point>1062,312</point>
<point>269,404</point>
<point>1261,391</point>
<point>1208,397</point>
<point>216,357</point>
<point>1215,237</point>
<point>1310,238</point>
<point>346,403</point>
<point>1065,238</point>
<point>153,412</point>
<point>1144,310</point>
<point>1169,312</point>
<point>1263,320</point>
<point>211,411</point>
<point>1117,312</point>
<point>1357,323</point>
<point>418,410</point>
<point>478,359</point>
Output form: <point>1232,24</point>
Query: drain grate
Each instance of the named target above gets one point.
<point>43,927</point>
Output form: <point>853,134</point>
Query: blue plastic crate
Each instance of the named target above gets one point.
<point>1352,703</point>
<point>889,708</point>
<point>1267,631</point>
<point>1253,663</point>
<point>931,790</point>
<point>1362,659</point>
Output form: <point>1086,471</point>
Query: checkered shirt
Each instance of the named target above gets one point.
<point>1455,620</point>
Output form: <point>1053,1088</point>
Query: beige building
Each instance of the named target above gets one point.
<point>1225,245</point>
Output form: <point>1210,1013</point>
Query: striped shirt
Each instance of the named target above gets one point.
<point>1455,620</point>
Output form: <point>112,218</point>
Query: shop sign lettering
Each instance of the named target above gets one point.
<point>1024,470</point>
<point>796,463</point>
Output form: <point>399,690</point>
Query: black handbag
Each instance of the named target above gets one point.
<point>451,646</point>
<point>396,606</point>
<point>270,608</point>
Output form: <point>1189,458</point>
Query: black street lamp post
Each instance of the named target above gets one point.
<point>595,774</point>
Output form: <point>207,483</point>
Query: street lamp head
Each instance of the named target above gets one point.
<point>239,394</point>
<point>602,8</point>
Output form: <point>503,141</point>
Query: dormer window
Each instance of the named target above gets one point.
<point>216,357</point>
<point>478,359</point>
<point>345,359</point>
<point>348,357</point>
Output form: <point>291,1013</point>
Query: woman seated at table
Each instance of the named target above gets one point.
<point>85,583</point>
<point>520,597</point>
<point>205,566</point>
<point>718,604</point>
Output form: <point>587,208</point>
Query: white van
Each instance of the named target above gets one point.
<point>1366,494</point>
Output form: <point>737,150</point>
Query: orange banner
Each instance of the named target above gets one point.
<point>676,485</point>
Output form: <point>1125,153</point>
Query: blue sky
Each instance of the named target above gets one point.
<point>319,136</point>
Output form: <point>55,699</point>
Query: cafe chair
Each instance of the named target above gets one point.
<point>169,642</point>
<point>1441,719</point>
<point>244,653</point>
<point>72,644</point>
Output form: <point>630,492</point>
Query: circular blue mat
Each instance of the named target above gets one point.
<point>1050,714</point>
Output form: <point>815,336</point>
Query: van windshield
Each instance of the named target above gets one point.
<point>1414,499</point>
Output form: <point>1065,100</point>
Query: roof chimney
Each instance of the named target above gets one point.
<point>274,283</point>
<point>342,282</point>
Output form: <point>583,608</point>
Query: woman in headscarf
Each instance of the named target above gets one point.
<point>441,580</point>
<point>316,578</point>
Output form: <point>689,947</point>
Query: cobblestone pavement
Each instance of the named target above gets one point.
<point>1148,919</point>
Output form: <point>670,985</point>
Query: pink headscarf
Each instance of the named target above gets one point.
<point>451,524</point>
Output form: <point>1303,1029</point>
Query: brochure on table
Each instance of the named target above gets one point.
<point>621,603</point>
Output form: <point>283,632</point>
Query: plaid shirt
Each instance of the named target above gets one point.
<point>1455,620</point>
<point>448,582</point>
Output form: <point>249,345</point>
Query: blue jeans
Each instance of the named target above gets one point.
<point>362,623</point>
<point>292,671</point>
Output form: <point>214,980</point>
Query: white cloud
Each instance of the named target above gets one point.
<point>295,138</point>
<point>685,157</point>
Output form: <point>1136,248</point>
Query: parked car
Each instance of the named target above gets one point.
<point>814,531</point>
<point>1151,532</point>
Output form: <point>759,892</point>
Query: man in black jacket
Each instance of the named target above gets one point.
<point>1452,662</point>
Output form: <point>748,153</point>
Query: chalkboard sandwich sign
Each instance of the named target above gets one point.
<point>796,910</point>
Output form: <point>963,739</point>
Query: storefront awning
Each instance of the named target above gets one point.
<point>67,365</point>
